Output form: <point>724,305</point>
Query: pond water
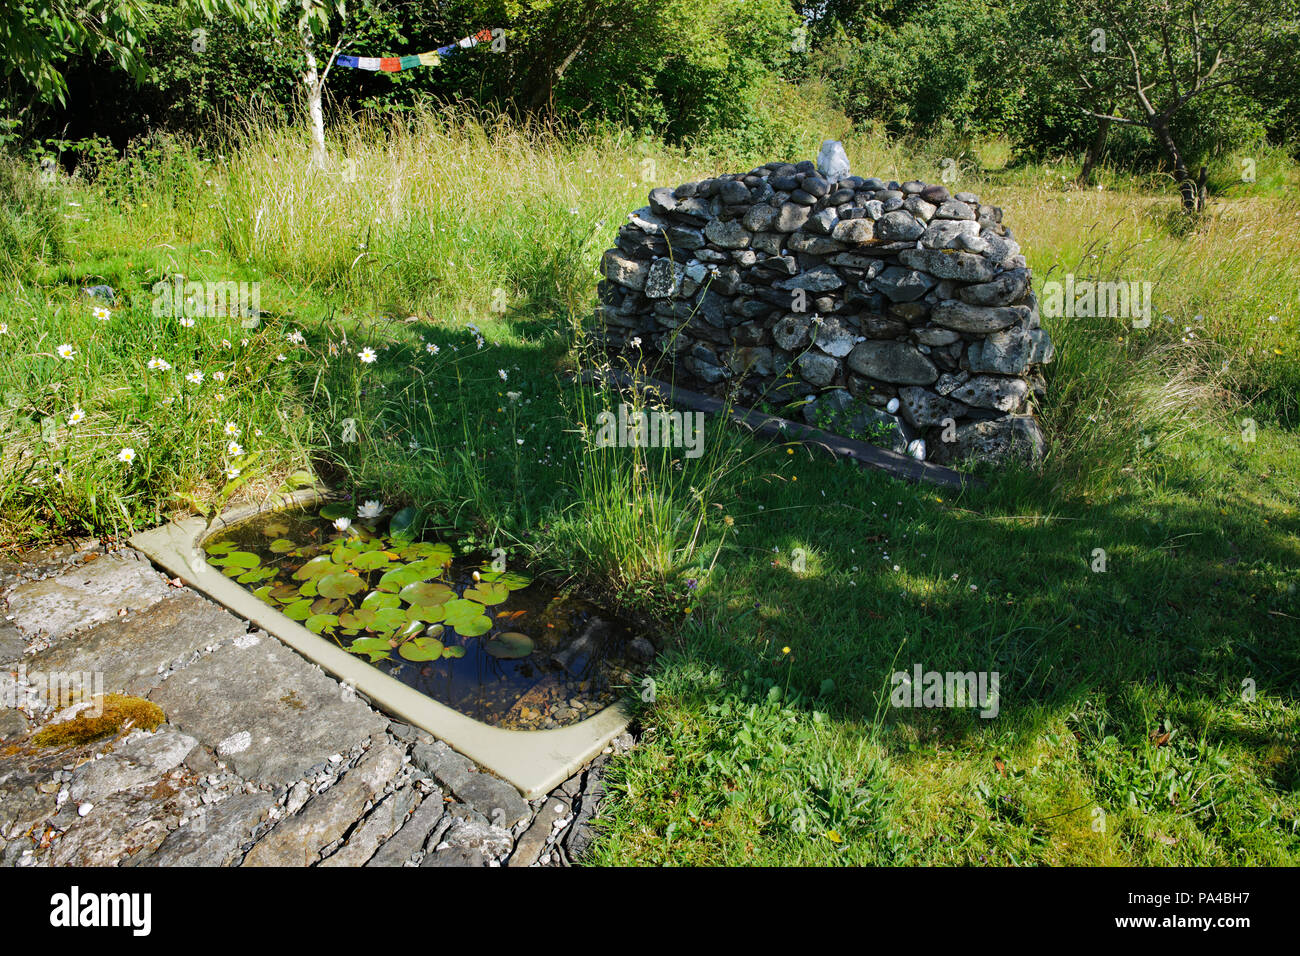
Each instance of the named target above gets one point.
<point>496,645</point>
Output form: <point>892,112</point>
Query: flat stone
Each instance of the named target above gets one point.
<point>381,823</point>
<point>894,362</point>
<point>834,337</point>
<point>949,234</point>
<point>760,218</point>
<point>820,279</point>
<point>902,285</point>
<point>492,797</point>
<point>531,843</point>
<point>476,834</point>
<point>992,391</point>
<point>898,226</point>
<point>216,834</point>
<point>125,824</point>
<point>949,264</point>
<point>982,319</point>
<point>130,651</point>
<point>954,209</point>
<point>1006,289</point>
<point>1012,437</point>
<point>12,723</point>
<point>1005,353</point>
<point>299,840</point>
<point>791,332</point>
<point>410,839</point>
<point>817,369</point>
<point>140,758</point>
<point>624,270</point>
<point>455,856</point>
<point>266,712</point>
<point>85,595</point>
<point>854,231</point>
<point>791,216</point>
<point>663,279</point>
<point>922,408</point>
<point>441,762</point>
<point>727,235</point>
<point>12,643</point>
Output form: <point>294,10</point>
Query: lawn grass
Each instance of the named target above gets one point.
<point>1147,695</point>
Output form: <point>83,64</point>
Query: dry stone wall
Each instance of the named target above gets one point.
<point>896,312</point>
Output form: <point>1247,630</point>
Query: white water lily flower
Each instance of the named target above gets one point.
<point>66,351</point>
<point>367,355</point>
<point>370,509</point>
<point>342,524</point>
<point>126,455</point>
<point>78,415</point>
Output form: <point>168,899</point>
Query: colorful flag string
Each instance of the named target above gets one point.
<point>392,64</point>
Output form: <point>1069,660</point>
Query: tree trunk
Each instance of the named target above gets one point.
<point>1096,148</point>
<point>315,87</point>
<point>1186,187</point>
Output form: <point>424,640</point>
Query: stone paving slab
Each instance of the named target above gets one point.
<point>267,712</point>
<point>85,595</point>
<point>132,652</point>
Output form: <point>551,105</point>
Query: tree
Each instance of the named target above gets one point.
<point>318,14</point>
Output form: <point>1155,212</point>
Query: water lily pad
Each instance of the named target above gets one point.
<point>509,646</point>
<point>427,593</point>
<point>389,619</point>
<point>308,588</point>
<point>284,593</point>
<point>441,553</point>
<point>339,585</point>
<point>358,619</point>
<point>461,610</point>
<point>336,510</point>
<point>255,575</point>
<point>371,561</point>
<point>264,593</point>
<point>377,600</point>
<point>298,611</point>
<point>429,615</point>
<point>488,593</point>
<point>402,524</point>
<point>219,547</point>
<point>318,566</point>
<point>474,627</point>
<point>397,578</point>
<point>510,579</point>
<point>328,605</point>
<point>421,649</point>
<point>236,559</point>
<point>455,651</point>
<point>375,648</point>
<point>321,622</point>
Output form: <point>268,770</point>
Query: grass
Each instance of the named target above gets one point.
<point>1136,594</point>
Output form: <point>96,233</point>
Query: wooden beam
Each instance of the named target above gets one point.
<point>872,456</point>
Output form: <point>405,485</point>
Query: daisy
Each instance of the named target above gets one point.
<point>502,372</point>
<point>232,473</point>
<point>66,351</point>
<point>232,429</point>
<point>218,376</point>
<point>195,377</point>
<point>281,358</point>
<point>234,448</point>
<point>342,524</point>
<point>77,415</point>
<point>126,455</point>
<point>413,445</point>
<point>4,328</point>
<point>334,349</point>
<point>370,509</point>
<point>220,396</point>
<point>158,365</point>
<point>101,313</point>
<point>431,349</point>
<point>186,323</point>
<point>295,338</point>
<point>367,355</point>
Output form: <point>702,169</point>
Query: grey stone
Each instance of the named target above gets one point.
<point>216,834</point>
<point>12,644</point>
<point>624,270</point>
<point>85,595</point>
<point>948,264</point>
<point>1006,289</point>
<point>898,226</point>
<point>130,651</point>
<point>834,337</point>
<point>727,235</point>
<point>922,408</point>
<point>1011,437</point>
<point>902,285</point>
<point>456,856</point>
<point>812,244</point>
<point>410,839</point>
<point>948,233</point>
<point>126,825</point>
<point>832,160</point>
<point>298,840</point>
<point>380,824</point>
<point>791,217</point>
<point>441,762</point>
<point>1041,349</point>
<point>822,222</point>
<point>820,279</point>
<point>265,711</point>
<point>817,369</point>
<point>894,362</point>
<point>791,332</point>
<point>980,319</point>
<point>474,834</point>
<point>492,797</point>
<point>854,231</point>
<point>12,723</point>
<point>992,391</point>
<point>931,335</point>
<point>141,758</point>
<point>662,200</point>
<point>955,209</point>
<point>531,843</point>
<point>1006,352</point>
<point>759,218</point>
<point>919,208</point>
<point>663,279</point>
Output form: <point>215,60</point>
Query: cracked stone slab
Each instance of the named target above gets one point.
<point>215,835</point>
<point>12,643</point>
<point>125,824</point>
<point>381,823</point>
<point>410,839</point>
<point>85,595</point>
<point>269,714</point>
<point>298,841</point>
<point>130,651</point>
<point>529,846</point>
<point>141,758</point>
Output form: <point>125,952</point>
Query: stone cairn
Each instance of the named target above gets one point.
<point>894,312</point>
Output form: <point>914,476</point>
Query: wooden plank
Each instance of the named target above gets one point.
<point>872,456</point>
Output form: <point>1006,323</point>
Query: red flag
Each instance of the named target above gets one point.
<point>390,64</point>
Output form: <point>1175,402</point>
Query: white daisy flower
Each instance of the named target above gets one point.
<point>78,415</point>
<point>4,328</point>
<point>101,313</point>
<point>232,429</point>
<point>295,338</point>
<point>367,355</point>
<point>232,473</point>
<point>186,323</point>
<point>126,455</point>
<point>234,448</point>
<point>370,509</point>
<point>195,377</point>
<point>502,373</point>
<point>66,351</point>
<point>159,365</point>
<point>218,376</point>
<point>432,349</point>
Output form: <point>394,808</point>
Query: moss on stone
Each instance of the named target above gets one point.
<point>116,712</point>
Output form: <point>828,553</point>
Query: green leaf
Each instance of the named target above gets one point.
<point>402,524</point>
<point>461,610</point>
<point>455,651</point>
<point>321,622</point>
<point>339,585</point>
<point>376,648</point>
<point>298,610</point>
<point>375,601</point>
<point>336,510</point>
<point>420,649</point>
<point>487,593</point>
<point>427,593</point>
<point>474,627</point>
<point>510,579</point>
<point>281,546</point>
<point>510,645</point>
